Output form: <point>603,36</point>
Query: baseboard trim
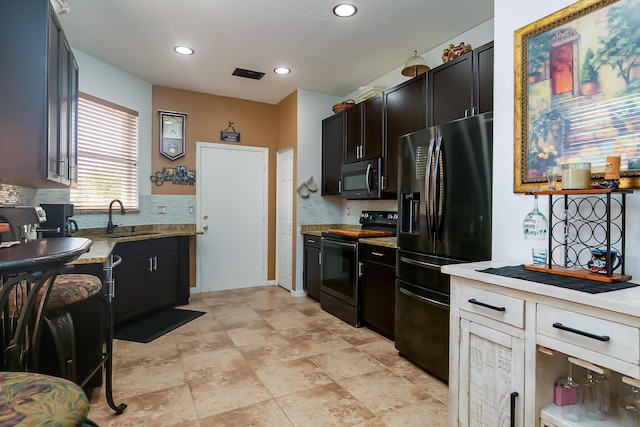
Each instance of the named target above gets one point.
<point>299,294</point>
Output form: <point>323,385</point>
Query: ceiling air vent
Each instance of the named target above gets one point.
<point>249,74</point>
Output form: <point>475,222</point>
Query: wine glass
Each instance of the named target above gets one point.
<point>629,406</point>
<point>570,393</point>
<point>596,396</point>
<point>535,225</point>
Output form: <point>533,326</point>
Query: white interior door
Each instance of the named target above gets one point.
<point>284,226</point>
<point>231,190</point>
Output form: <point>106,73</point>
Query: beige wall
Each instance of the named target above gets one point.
<point>259,124</point>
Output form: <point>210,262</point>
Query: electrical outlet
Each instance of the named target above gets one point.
<point>347,211</point>
<point>191,210</point>
<point>162,209</point>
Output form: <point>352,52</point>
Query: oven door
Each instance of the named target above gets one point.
<point>340,270</point>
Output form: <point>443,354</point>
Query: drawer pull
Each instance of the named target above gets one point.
<point>492,307</point>
<point>559,325</point>
<point>514,395</point>
<point>310,241</point>
<point>377,254</point>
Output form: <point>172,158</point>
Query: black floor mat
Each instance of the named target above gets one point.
<point>156,325</point>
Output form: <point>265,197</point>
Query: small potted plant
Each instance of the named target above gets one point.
<point>589,75</point>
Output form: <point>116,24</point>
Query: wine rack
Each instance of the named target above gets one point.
<point>579,222</point>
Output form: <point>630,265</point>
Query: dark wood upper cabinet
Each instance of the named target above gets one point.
<point>332,150</point>
<point>364,127</point>
<point>38,107</point>
<point>451,90</point>
<point>459,88</point>
<point>462,87</point>
<point>483,78</point>
<point>405,112</point>
<point>353,133</point>
<point>372,127</point>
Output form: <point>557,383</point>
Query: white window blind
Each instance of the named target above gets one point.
<point>107,155</point>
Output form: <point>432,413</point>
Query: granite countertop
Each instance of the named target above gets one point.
<point>317,229</point>
<point>103,243</point>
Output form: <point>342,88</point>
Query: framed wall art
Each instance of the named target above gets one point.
<point>577,91</point>
<point>172,134</point>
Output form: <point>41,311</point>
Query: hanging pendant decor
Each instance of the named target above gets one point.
<point>229,135</point>
<point>172,134</point>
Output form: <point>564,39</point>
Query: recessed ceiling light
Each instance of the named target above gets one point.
<point>282,70</point>
<point>344,10</point>
<point>184,50</point>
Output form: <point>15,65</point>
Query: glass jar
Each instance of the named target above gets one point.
<point>576,176</point>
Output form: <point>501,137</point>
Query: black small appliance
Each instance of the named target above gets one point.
<point>58,222</point>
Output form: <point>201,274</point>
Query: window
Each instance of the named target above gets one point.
<point>107,155</point>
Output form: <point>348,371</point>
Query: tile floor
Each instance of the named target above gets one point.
<point>261,357</point>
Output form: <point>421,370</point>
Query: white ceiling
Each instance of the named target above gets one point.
<point>327,54</point>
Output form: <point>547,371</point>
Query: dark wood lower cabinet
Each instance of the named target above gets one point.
<point>311,272</point>
<point>377,288</point>
<point>146,279</point>
<point>154,274</point>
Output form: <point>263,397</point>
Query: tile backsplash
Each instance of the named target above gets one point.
<point>13,195</point>
<point>177,209</point>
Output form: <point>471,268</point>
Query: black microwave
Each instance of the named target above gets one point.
<point>362,180</point>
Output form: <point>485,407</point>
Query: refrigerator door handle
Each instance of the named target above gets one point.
<point>438,194</point>
<point>423,299</point>
<point>427,186</point>
<point>420,263</point>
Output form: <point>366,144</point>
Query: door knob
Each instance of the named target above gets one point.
<point>205,227</point>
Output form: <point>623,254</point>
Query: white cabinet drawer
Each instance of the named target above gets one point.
<point>496,306</point>
<point>602,336</point>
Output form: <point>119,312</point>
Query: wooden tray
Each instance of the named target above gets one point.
<point>361,233</point>
<point>579,273</point>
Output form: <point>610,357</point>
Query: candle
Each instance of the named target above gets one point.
<point>576,176</point>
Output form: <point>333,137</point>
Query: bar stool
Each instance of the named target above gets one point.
<point>69,289</point>
<point>65,290</point>
<point>29,399</point>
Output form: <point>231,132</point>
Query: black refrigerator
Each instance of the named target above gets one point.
<point>444,209</point>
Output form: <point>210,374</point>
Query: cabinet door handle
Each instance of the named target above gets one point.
<point>319,258</point>
<point>155,263</point>
<point>359,269</point>
<point>150,263</point>
<point>514,395</point>
<point>560,326</point>
<point>484,304</point>
<point>340,187</point>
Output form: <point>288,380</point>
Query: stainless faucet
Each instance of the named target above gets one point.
<point>110,225</point>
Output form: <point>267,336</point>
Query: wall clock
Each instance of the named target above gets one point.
<point>172,134</point>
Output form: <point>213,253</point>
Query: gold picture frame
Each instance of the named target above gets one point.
<point>577,94</point>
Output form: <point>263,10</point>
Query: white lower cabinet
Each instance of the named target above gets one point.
<point>511,341</point>
<point>492,377</point>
